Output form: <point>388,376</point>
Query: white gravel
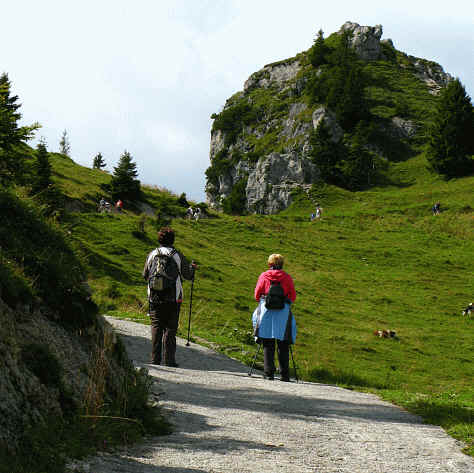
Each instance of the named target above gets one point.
<point>225,421</point>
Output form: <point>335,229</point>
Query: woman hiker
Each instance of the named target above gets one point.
<point>273,319</point>
<point>165,295</point>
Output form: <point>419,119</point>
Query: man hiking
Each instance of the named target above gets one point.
<point>273,320</point>
<point>164,270</point>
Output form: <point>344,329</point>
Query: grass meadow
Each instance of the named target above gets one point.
<point>376,260</point>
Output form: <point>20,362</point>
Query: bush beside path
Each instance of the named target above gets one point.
<point>225,421</point>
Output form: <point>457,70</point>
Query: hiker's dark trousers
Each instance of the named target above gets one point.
<point>283,350</point>
<point>164,318</point>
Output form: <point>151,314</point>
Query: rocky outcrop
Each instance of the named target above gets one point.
<point>328,118</point>
<point>265,140</point>
<point>365,40</point>
<point>271,183</point>
<point>46,370</point>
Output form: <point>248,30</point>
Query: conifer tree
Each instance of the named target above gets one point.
<point>319,51</point>
<point>12,137</point>
<point>451,135</point>
<point>124,184</point>
<point>42,169</point>
<point>98,162</point>
<point>65,145</point>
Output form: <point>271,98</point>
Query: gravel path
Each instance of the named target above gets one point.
<point>225,421</point>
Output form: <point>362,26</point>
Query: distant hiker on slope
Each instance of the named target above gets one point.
<point>165,267</point>
<point>272,319</point>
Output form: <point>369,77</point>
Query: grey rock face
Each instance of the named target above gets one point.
<point>273,74</point>
<point>433,75</point>
<point>403,128</point>
<point>365,40</point>
<point>322,114</point>
<point>26,399</point>
<point>275,176</point>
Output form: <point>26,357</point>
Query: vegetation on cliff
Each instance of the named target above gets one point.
<point>384,107</point>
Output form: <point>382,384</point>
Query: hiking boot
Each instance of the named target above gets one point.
<point>173,365</point>
<point>270,377</point>
<point>286,379</point>
<point>155,362</point>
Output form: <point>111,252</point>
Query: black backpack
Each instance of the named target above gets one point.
<point>164,273</point>
<point>275,298</point>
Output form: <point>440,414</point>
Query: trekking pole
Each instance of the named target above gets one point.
<point>255,358</point>
<point>294,366</point>
<point>190,308</point>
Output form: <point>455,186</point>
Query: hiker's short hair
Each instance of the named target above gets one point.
<point>166,236</point>
<point>276,261</point>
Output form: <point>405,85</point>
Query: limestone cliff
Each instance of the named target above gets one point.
<point>261,141</point>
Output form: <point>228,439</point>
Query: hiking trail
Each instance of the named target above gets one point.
<point>225,421</point>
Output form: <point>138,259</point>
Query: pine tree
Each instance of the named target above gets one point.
<point>42,169</point>
<point>12,137</point>
<point>98,162</point>
<point>318,52</point>
<point>64,144</point>
<point>124,184</point>
<point>326,154</point>
<point>451,135</point>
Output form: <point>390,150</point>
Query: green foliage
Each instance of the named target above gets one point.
<point>236,203</point>
<point>41,170</point>
<point>98,162</point>
<point>13,151</point>
<point>220,165</point>
<point>41,255</point>
<point>231,120</point>
<point>124,184</point>
<point>43,364</point>
<point>451,136</point>
<point>349,165</point>
<point>319,51</point>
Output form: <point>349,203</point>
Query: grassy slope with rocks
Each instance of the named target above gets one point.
<point>68,387</point>
<point>377,259</point>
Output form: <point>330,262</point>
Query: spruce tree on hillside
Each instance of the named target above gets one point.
<point>13,151</point>
<point>451,135</point>
<point>65,145</point>
<point>319,51</point>
<point>41,169</point>
<point>124,184</point>
<point>98,162</point>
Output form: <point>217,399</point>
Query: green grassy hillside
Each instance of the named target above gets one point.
<point>376,260</point>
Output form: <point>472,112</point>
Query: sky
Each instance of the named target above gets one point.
<point>145,76</point>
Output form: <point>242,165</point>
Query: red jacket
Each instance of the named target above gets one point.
<point>264,280</point>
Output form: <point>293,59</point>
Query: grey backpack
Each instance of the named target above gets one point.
<point>164,273</point>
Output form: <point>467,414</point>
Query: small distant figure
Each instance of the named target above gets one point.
<point>119,205</point>
<point>436,209</point>
<point>104,206</point>
<point>468,310</point>
<point>319,211</point>
<point>313,216</point>
<point>197,214</point>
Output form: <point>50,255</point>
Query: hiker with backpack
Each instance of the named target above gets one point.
<point>165,268</point>
<point>273,319</point>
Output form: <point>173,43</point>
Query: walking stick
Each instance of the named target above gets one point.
<point>190,308</point>
<point>254,358</point>
<point>294,366</point>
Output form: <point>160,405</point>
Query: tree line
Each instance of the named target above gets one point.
<point>20,165</point>
<point>338,81</point>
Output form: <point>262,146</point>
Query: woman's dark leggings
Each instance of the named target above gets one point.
<point>283,350</point>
